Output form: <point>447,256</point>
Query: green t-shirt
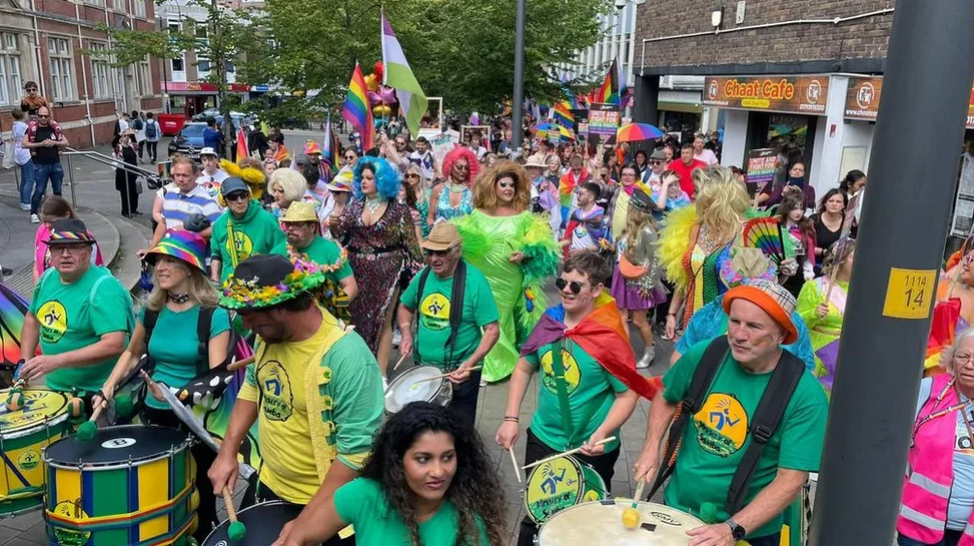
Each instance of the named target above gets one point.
<point>322,252</point>
<point>479,309</point>
<point>362,503</point>
<point>175,347</point>
<point>77,315</point>
<point>257,232</point>
<point>591,392</point>
<point>715,440</point>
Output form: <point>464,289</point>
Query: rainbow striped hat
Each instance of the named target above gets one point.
<point>184,245</point>
<point>311,147</point>
<point>69,231</point>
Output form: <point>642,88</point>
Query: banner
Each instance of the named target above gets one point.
<point>603,119</point>
<point>443,143</point>
<point>798,95</point>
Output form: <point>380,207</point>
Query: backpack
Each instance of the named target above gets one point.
<point>150,129</point>
<point>764,423</point>
<point>137,124</point>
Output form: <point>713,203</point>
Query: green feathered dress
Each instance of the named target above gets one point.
<point>488,243</point>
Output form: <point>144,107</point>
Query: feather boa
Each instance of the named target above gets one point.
<point>673,241</point>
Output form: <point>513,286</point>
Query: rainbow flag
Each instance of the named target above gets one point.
<point>563,115</point>
<point>242,151</point>
<point>329,151</point>
<point>13,310</point>
<point>608,92</point>
<point>602,335</point>
<point>357,109</point>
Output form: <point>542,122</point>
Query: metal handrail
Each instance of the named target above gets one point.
<point>156,180</point>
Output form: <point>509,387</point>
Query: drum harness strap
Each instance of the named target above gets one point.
<point>457,293</point>
<point>561,387</point>
<point>763,425</point>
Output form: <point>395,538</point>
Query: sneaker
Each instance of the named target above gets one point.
<point>25,207</point>
<point>648,356</point>
<point>35,219</point>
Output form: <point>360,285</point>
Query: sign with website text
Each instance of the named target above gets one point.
<point>761,165</point>
<point>862,100</point>
<point>603,119</point>
<point>795,94</point>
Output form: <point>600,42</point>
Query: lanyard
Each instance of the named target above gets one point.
<point>938,414</point>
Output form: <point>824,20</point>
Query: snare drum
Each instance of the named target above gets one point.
<point>600,524</point>
<point>560,484</point>
<point>129,485</point>
<point>263,521</point>
<point>23,436</point>
<point>405,389</point>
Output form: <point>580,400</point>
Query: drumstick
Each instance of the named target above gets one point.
<point>566,453</point>
<point>237,530</point>
<point>517,473</point>
<point>242,363</point>
<point>435,377</point>
<point>87,429</point>
<point>398,363</point>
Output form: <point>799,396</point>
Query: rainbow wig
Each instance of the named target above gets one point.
<point>386,177</point>
<point>466,154</point>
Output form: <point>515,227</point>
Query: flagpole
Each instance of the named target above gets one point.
<point>516,104</point>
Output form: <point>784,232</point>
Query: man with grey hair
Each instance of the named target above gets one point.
<point>458,319</point>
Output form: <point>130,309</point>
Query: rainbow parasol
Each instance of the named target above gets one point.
<point>543,130</point>
<point>638,132</point>
<point>13,309</point>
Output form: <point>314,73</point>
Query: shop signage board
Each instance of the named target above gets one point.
<point>791,94</point>
<point>761,165</point>
<point>603,119</point>
<point>862,100</point>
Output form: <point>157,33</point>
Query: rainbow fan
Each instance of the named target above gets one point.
<point>13,309</point>
<point>764,233</point>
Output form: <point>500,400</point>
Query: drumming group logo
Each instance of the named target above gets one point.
<point>69,537</point>
<point>721,424</point>
<point>244,246</point>
<point>573,374</point>
<point>435,312</point>
<point>278,399</point>
<point>28,460</point>
<point>54,321</point>
<point>552,487</point>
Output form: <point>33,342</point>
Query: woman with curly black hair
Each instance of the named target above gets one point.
<point>428,482</point>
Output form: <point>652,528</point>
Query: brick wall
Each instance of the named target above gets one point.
<point>865,38</point>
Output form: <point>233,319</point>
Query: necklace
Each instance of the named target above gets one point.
<point>936,415</point>
<point>373,204</point>
<point>179,298</point>
<point>457,188</point>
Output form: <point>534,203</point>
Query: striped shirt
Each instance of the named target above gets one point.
<point>177,207</point>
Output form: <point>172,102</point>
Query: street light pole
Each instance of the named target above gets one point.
<point>926,90</point>
<point>518,101</point>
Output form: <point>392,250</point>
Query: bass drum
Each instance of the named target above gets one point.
<point>600,524</point>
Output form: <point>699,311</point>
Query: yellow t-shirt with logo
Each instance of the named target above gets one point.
<point>277,385</point>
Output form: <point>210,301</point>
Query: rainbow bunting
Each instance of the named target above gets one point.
<point>563,115</point>
<point>357,109</point>
<point>13,309</point>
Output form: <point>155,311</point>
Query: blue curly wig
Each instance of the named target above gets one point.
<point>386,177</point>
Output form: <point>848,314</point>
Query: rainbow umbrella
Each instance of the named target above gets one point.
<point>638,132</point>
<point>13,309</point>
<point>543,130</point>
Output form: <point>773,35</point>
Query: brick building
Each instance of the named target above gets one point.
<point>47,41</point>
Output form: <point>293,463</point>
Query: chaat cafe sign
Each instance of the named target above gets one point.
<point>862,100</point>
<point>793,94</point>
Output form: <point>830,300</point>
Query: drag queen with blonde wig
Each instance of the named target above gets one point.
<point>696,241</point>
<point>515,250</point>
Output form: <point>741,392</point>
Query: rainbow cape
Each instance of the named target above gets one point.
<point>602,335</point>
<point>357,110</point>
<point>13,309</point>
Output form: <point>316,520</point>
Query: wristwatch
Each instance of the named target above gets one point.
<point>736,529</point>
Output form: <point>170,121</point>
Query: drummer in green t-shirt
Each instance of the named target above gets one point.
<point>304,238</point>
<point>453,340</point>
<point>80,314</point>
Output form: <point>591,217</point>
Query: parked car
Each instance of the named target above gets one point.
<point>189,140</point>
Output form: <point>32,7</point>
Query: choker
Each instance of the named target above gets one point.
<point>454,187</point>
<point>178,298</point>
<point>374,204</point>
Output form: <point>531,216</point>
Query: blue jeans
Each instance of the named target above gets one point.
<point>26,181</point>
<point>41,174</point>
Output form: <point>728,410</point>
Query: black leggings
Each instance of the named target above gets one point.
<point>204,457</point>
<point>604,466</point>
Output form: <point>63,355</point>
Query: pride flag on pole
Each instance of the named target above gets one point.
<point>329,151</point>
<point>399,76</point>
<point>242,151</point>
<point>563,115</point>
<point>609,91</point>
<point>357,110</point>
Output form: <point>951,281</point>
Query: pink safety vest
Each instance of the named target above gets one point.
<point>930,473</point>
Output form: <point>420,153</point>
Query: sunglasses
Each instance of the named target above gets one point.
<point>412,176</point>
<point>574,287</point>
<point>350,157</point>
<point>437,252</point>
<point>237,196</point>
<point>43,115</point>
<point>31,89</point>
<point>655,162</point>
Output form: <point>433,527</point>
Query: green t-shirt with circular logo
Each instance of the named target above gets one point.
<point>77,315</point>
<point>433,311</point>
<point>591,392</point>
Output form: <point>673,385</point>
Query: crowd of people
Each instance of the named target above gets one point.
<point>328,268</point>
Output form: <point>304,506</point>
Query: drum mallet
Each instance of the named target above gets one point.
<point>566,453</point>
<point>237,530</point>
<point>88,428</point>
<point>15,400</point>
<point>630,516</point>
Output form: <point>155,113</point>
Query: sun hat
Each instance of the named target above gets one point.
<point>184,245</point>
<point>443,236</point>
<point>300,212</point>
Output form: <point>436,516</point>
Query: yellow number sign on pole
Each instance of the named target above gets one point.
<point>909,293</point>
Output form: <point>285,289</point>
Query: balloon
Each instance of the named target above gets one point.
<point>388,96</point>
<point>370,83</point>
<point>378,70</point>
<point>375,98</point>
<point>378,110</point>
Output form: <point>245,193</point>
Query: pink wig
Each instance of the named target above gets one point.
<point>466,154</point>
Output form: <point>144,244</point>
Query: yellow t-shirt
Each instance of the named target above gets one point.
<point>288,464</point>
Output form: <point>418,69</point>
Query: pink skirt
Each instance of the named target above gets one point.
<point>628,295</point>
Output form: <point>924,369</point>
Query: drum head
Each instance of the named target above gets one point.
<point>116,445</point>
<point>39,405</point>
<point>600,524</point>
<point>405,390</point>
<point>554,486</point>
<point>263,521</point>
